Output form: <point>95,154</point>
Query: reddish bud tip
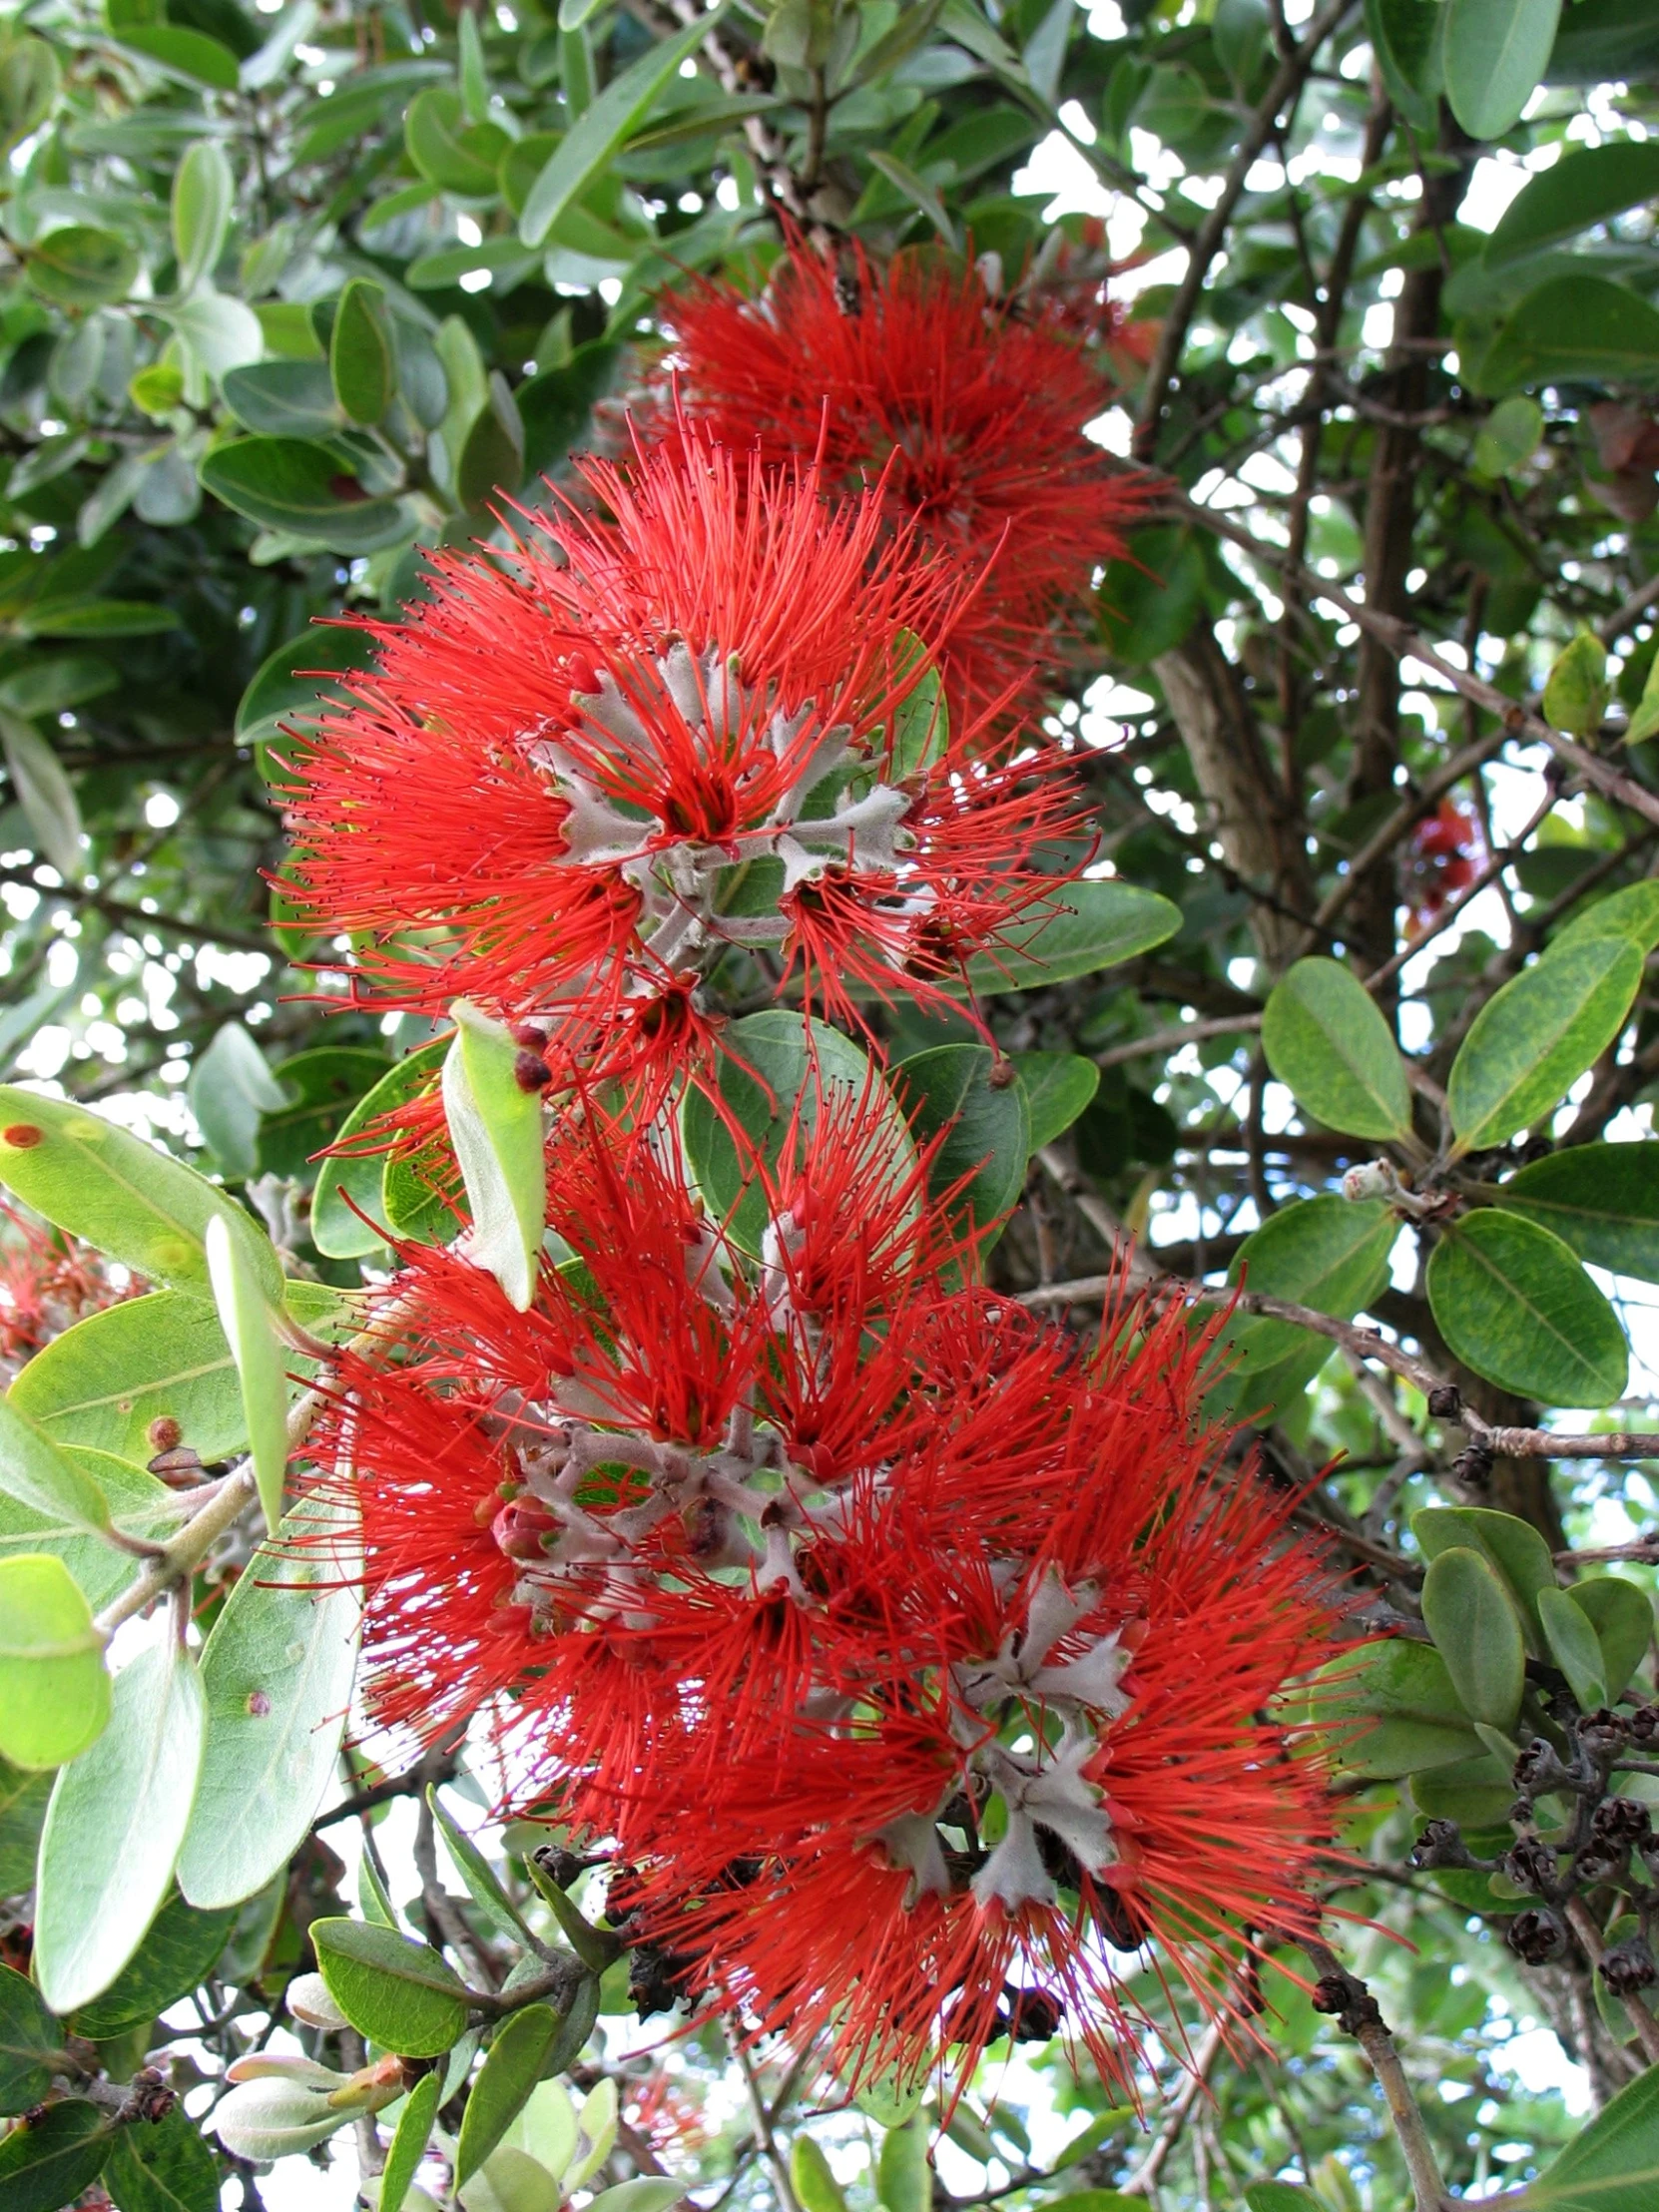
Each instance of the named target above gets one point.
<point>346,489</point>
<point>518,1529</point>
<point>531,1072</point>
<point>164,1433</point>
<point>530,1035</point>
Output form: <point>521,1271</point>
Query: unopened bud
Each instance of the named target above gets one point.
<point>531,1072</point>
<point>164,1433</point>
<point>520,1527</point>
<point>275,2115</point>
<point>1369,1178</point>
<point>308,1999</point>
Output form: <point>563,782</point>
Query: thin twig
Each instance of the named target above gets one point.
<point>1357,2011</point>
<point>1596,1949</point>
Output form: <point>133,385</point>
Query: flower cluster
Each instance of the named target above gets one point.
<point>963,412</point>
<point>963,1641</point>
<point>48,1282</point>
<point>959,1640</point>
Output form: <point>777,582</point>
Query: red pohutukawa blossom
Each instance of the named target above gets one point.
<point>1446,855</point>
<point>48,1282</point>
<point>962,411</point>
<point>582,772</point>
<point>959,1640</point>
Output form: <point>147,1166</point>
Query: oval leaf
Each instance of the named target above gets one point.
<point>1478,1632</point>
<point>1057,1088</point>
<point>1531,1042</point>
<point>397,1993</point>
<point>122,1195</point>
<point>277,1672</point>
<point>1515,1306</point>
<point>114,1827</point>
<point>57,2155</point>
<point>244,1315</point>
<point>511,2070</point>
<point>35,1472</point>
<point>1622,1617</point>
<point>408,2144</point>
<point>103,1382</point>
<point>1326,1040</point>
<point>1512,1547</point>
<point>1575,1648</point>
<point>1321,1251</point>
<point>54,1691</point>
<point>29,2038</point>
<point>360,1177</point>
<point>948,1092</point>
<point>1601,1199</point>
<point>1495,53</point>
<point>496,1129</point>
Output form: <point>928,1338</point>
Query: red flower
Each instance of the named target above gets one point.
<point>580,775</point>
<point>968,416</point>
<point>964,1646</point>
<point>1446,855</point>
<point>48,1282</point>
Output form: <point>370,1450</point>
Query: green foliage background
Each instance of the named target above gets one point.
<point>284,296</point>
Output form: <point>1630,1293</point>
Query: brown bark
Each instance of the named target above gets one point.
<point>1258,833</point>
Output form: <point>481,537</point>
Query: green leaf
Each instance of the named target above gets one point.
<point>1535,1038</point>
<point>138,1506</point>
<point>496,1129</point>
<point>322,1088</point>
<point>1589,184</point>
<point>948,1092</point>
<point>1576,691</point>
<point>815,2187</point>
<point>103,1382</point>
<point>1282,2196</point>
<point>1407,39</point>
<point>292,484</point>
<point>771,1061</point>
<point>592,143</point>
<point>345,1175</point>
<point>163,2166</point>
<point>1574,1647</point>
<point>492,459</point>
<point>1326,1040</point>
<point>54,1692</point>
<point>286,399</point>
<point>556,406</point>
<point>1325,1252</point>
<point>408,2144</point>
<point>119,1193</point>
<point>1510,437</point>
<point>1632,912</point>
<point>204,194</point>
<point>1571,327</point>
<point>46,795</point>
<point>180,1949</point>
<point>1495,53</point>
<point>97,618</point>
<point>190,55</point>
<point>1644,720</point>
<point>80,267</point>
<point>1601,1199</point>
<point>114,1827</point>
<point>512,2181</point>
<point>1613,2164</point>
<point>645,2193</point>
<point>512,2068</point>
<point>477,1873</point>
<point>30,82</point>
<point>35,1472</point>
<point>246,1316</point>
<point>397,1993</point>
<point>231,1086</point>
<point>1151,597</point>
<point>1622,1616</point>
<point>1057,1088</point>
<point>57,2155</point>
<point>289,681</point>
<point>904,2178</point>
<point>1095,925</point>
<point>362,354</point>
<point>1392,1710</point>
<point>1478,1632</point>
<point>23,1799</point>
<point>277,1672</point>
<point>1512,1547</point>
<point>456,155</point>
<point>29,2039</point>
<point>1514,1305</point>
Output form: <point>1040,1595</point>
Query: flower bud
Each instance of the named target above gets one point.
<point>272,2118</point>
<point>308,2000</point>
